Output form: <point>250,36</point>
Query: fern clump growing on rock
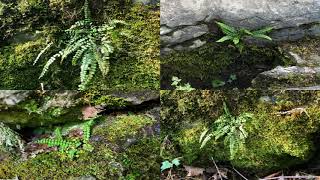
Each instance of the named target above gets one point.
<point>87,45</point>
<point>70,146</point>
<point>229,127</point>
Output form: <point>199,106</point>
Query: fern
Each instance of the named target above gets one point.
<point>87,130</point>
<point>70,147</point>
<point>90,46</point>
<point>237,36</point>
<point>229,127</point>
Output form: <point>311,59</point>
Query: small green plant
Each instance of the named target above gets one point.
<point>168,165</point>
<point>237,36</point>
<point>232,78</point>
<point>186,87</point>
<point>87,43</point>
<point>229,127</point>
<point>70,146</point>
<point>219,83</point>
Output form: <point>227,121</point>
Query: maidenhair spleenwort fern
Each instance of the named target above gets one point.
<point>71,146</point>
<point>88,45</point>
<point>229,127</point>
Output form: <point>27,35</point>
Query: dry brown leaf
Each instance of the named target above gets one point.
<point>193,171</point>
<point>89,112</point>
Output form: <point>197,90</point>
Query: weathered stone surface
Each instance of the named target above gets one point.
<point>303,75</point>
<point>185,34</point>
<point>12,97</point>
<point>136,98</point>
<point>288,77</point>
<point>146,2</point>
<point>291,19</point>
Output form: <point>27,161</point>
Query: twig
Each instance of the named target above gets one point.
<point>239,173</point>
<point>291,177</point>
<point>216,168</point>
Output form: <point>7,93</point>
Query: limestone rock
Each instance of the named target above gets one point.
<point>291,20</point>
<point>139,97</point>
<point>185,34</point>
<point>286,77</point>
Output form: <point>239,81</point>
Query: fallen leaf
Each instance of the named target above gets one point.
<point>89,112</point>
<point>193,171</point>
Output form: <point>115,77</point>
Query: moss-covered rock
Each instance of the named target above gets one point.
<point>109,159</point>
<point>279,136</point>
<point>134,65</point>
<point>216,61</point>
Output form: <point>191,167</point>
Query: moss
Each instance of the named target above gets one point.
<point>138,161</point>
<point>274,142</point>
<point>100,164</point>
<point>135,64</point>
<point>123,126</point>
<point>110,101</point>
<point>18,71</point>
<point>209,59</point>
<point>217,61</point>
<point>26,5</point>
<point>142,159</point>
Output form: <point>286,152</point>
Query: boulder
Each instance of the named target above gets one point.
<point>291,20</point>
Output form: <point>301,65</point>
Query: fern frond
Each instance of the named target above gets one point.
<point>49,62</point>
<point>74,47</point>
<point>42,52</point>
<point>55,142</point>
<point>203,134</point>
<point>87,130</point>
<point>204,142</point>
<point>88,69</point>
<point>228,30</point>
<point>87,12</point>
<point>78,54</point>
<point>57,133</point>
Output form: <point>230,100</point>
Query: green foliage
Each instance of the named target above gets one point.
<point>186,87</point>
<point>87,130</point>
<point>168,165</point>
<point>124,126</point>
<point>88,45</point>
<point>10,140</point>
<point>71,147</point>
<point>237,36</point>
<point>229,127</point>
<point>218,83</point>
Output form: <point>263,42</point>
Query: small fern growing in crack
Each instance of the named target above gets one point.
<point>87,45</point>
<point>71,147</point>
<point>231,128</point>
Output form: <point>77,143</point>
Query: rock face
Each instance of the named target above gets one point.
<point>186,20</point>
<point>31,108</point>
<point>303,74</point>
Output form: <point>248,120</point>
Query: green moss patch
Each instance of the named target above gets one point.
<point>279,136</point>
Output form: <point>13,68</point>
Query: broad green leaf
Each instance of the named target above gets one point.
<point>263,31</point>
<point>205,141</point>
<point>247,31</point>
<point>224,38</point>
<point>226,29</point>
<point>262,36</point>
<point>203,134</point>
<point>217,83</point>
<point>175,162</point>
<point>166,165</point>
<point>236,40</point>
